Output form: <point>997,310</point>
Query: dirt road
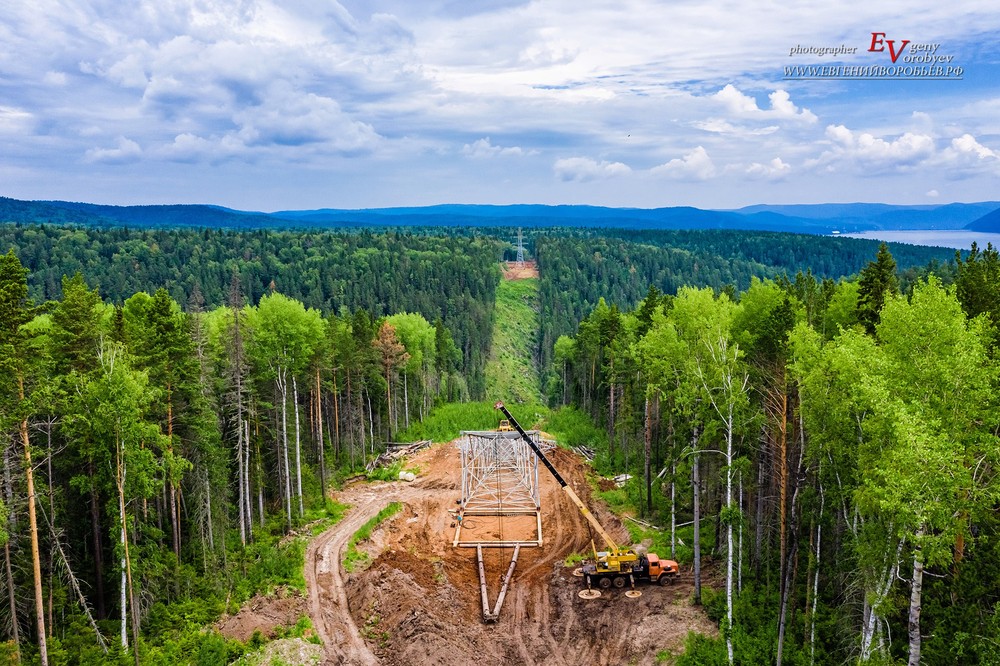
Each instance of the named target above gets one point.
<point>328,605</point>
<point>419,601</point>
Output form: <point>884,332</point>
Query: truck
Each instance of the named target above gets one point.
<point>616,566</point>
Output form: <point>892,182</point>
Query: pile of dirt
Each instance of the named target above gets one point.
<point>419,601</point>
<point>264,613</point>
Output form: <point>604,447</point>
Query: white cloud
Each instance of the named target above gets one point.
<point>965,157</point>
<point>582,169</point>
<point>14,121</point>
<point>720,126</point>
<point>782,107</point>
<point>129,72</point>
<point>696,165</point>
<point>776,169</point>
<point>483,148</point>
<point>872,153</point>
<point>126,151</point>
<point>55,78</point>
<point>288,118</point>
<point>967,145</point>
<point>742,105</point>
<point>933,194</point>
<point>736,101</point>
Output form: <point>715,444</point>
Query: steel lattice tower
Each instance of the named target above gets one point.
<point>499,476</point>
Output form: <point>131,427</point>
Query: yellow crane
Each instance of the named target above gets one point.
<point>616,565</point>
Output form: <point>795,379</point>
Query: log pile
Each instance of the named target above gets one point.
<point>394,452</point>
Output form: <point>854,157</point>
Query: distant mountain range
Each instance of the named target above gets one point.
<point>805,218</point>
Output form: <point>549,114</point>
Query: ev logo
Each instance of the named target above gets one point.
<point>878,39</point>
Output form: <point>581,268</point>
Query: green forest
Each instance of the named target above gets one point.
<point>821,411</point>
<point>834,445</point>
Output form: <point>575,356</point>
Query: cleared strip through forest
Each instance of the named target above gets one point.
<point>512,370</point>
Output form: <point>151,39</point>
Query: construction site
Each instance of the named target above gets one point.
<point>499,555</point>
<point>473,569</point>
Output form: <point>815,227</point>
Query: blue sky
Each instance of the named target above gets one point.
<point>262,105</point>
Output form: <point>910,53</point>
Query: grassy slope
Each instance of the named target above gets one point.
<point>511,374</point>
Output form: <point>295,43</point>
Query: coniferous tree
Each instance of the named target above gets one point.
<point>977,284</point>
<point>877,280</point>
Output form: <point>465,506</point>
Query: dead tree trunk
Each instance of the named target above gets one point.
<point>15,634</point>
<point>36,567</point>
<point>788,579</point>
<point>298,447</point>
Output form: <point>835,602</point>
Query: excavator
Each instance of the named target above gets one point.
<point>615,566</point>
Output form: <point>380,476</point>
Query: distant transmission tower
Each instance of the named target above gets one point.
<point>520,249</point>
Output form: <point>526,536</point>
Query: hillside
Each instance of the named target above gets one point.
<point>512,369</point>
<point>808,219</point>
<point>989,223</point>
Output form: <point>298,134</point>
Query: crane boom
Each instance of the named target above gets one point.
<point>612,546</point>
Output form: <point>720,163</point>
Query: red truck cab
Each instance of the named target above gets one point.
<point>662,570</point>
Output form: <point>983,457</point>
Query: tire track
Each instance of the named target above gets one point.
<point>328,606</point>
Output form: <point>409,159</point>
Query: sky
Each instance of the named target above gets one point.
<point>302,104</point>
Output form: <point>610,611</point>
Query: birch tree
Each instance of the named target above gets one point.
<point>284,336</point>
<point>116,403</point>
<point>936,364</point>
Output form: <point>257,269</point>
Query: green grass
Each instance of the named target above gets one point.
<point>446,422</point>
<point>511,373</point>
<point>573,427</point>
<point>272,560</point>
<point>355,559</point>
<point>665,657</point>
<point>388,473</point>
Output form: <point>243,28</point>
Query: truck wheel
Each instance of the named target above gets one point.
<point>619,581</point>
<point>663,579</point>
<point>604,583</point>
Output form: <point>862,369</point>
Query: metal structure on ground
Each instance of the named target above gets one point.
<point>499,479</point>
<point>499,483</point>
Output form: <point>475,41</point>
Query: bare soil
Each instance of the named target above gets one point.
<point>419,602</point>
<point>264,614</point>
<point>512,272</point>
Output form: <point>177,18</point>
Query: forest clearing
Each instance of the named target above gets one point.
<point>418,601</point>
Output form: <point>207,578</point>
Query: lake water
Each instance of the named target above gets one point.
<point>960,239</point>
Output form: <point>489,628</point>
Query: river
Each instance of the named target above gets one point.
<point>960,239</point>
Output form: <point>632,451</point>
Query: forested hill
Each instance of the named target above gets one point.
<point>451,278</point>
<point>810,219</point>
<point>438,272</point>
<point>579,269</point>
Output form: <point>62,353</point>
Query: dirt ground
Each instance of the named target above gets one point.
<point>512,272</point>
<point>419,602</point>
<point>264,614</point>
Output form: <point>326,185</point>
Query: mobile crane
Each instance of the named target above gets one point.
<point>615,566</point>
